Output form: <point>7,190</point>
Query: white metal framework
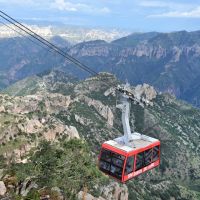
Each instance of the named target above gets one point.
<point>125,107</point>
<point>132,140</point>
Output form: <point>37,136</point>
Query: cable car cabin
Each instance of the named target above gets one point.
<point>123,162</point>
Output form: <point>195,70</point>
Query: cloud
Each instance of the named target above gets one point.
<point>81,7</point>
<point>171,9</point>
<point>194,13</point>
<point>158,4</point>
<point>105,10</point>
<point>20,3</point>
<point>162,4</point>
<point>68,6</point>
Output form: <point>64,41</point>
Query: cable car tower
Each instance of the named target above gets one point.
<point>126,97</point>
<point>133,153</point>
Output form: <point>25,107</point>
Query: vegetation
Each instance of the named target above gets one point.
<point>68,166</point>
<point>11,145</point>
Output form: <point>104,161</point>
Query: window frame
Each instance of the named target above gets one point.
<point>133,165</point>
<point>143,157</point>
<point>151,156</point>
<point>142,152</point>
<point>113,155</point>
<point>158,155</point>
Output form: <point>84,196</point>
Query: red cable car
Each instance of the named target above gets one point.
<point>125,162</point>
<point>130,155</point>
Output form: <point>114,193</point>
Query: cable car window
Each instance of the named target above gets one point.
<point>116,171</point>
<point>139,161</point>
<point>105,155</point>
<point>155,153</point>
<point>147,156</point>
<point>129,165</point>
<point>104,166</point>
<point>118,156</point>
<point>112,163</point>
<point>117,162</point>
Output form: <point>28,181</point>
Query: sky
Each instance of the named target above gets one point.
<point>134,15</point>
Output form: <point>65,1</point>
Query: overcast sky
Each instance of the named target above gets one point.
<point>135,15</point>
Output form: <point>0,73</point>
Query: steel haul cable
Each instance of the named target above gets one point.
<point>53,47</point>
<point>23,35</point>
<point>47,43</point>
<point>77,64</point>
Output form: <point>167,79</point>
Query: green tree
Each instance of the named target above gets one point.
<point>68,165</point>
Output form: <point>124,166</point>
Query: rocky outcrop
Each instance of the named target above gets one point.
<point>142,93</point>
<point>143,50</point>
<point>82,120</point>
<point>30,103</point>
<point>69,131</point>
<point>2,188</point>
<point>86,196</point>
<point>24,187</point>
<point>115,192</point>
<point>31,117</point>
<point>2,109</point>
<point>18,154</point>
<point>102,109</point>
<point>145,93</point>
<point>31,126</point>
<point>103,51</point>
<point>112,192</point>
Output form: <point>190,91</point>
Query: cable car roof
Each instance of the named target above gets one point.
<point>139,141</point>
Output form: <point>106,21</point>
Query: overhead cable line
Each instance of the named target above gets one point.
<point>47,43</point>
<point>23,35</point>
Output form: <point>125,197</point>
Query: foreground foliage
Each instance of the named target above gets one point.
<point>67,166</point>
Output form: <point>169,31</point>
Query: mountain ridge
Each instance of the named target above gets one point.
<point>168,61</point>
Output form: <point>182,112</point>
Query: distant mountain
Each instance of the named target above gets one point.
<point>168,61</point>
<point>73,34</point>
<point>81,110</point>
<point>20,58</point>
<point>134,39</point>
<point>60,42</point>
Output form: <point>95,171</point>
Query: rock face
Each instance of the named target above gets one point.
<point>25,187</point>
<point>86,196</point>
<point>115,192</point>
<point>32,126</point>
<point>112,192</point>
<point>102,109</point>
<point>145,92</point>
<point>25,118</point>
<point>143,50</point>
<point>70,131</point>
<point>2,188</point>
<point>82,120</point>
<point>50,102</point>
